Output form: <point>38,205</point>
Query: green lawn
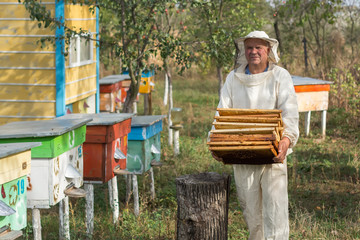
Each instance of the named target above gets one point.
<point>324,180</point>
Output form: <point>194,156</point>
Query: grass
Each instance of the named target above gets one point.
<point>324,180</point>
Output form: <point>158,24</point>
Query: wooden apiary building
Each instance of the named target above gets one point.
<point>41,83</point>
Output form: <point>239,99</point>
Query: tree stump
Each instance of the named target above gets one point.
<point>203,201</point>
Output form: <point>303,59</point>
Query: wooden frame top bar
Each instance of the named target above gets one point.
<point>237,111</point>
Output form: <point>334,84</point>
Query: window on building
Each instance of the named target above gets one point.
<point>80,52</point>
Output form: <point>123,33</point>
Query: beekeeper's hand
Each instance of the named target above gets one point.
<point>283,147</point>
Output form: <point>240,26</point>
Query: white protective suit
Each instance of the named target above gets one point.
<point>262,189</point>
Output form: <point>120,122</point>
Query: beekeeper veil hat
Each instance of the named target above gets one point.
<point>240,47</point>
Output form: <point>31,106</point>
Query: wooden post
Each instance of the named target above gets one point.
<point>176,129</point>
<point>135,194</point>
<point>89,206</point>
<point>135,107</point>
<point>323,123</point>
<point>36,222</point>
<point>64,228</point>
<point>128,179</point>
<point>114,198</point>
<point>202,206</point>
<point>152,184</point>
<point>176,142</point>
<point>146,103</point>
<point>307,123</point>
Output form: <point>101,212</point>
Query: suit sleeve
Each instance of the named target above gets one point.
<point>287,102</point>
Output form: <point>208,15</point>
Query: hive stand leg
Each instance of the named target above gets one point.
<point>128,179</point>
<point>135,194</point>
<point>64,228</point>
<point>323,123</point>
<point>114,198</point>
<point>307,123</point>
<point>89,188</point>
<point>152,184</point>
<point>176,142</point>
<point>170,138</point>
<point>134,107</point>
<point>36,222</point>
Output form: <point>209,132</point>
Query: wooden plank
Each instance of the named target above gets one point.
<point>243,137</point>
<point>78,11</point>
<point>19,11</point>
<point>29,60</point>
<point>15,92</point>
<point>23,44</point>
<point>236,111</point>
<point>89,25</point>
<point>27,76</point>
<point>238,143</point>
<point>27,109</point>
<point>312,88</point>
<point>79,89</point>
<point>312,101</point>
<point>244,130</point>
<point>229,125</point>
<point>9,27</point>
<point>15,166</point>
<point>231,148</point>
<point>246,119</point>
<point>76,73</point>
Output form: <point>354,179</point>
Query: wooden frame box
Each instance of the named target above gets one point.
<point>15,164</point>
<point>144,143</point>
<point>105,147</point>
<point>59,159</point>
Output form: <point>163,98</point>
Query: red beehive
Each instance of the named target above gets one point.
<point>105,147</point>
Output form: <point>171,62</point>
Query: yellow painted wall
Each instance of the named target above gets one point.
<point>27,109</point>
<point>15,166</point>
<point>20,86</point>
<point>19,11</point>
<point>27,76</point>
<point>76,89</point>
<point>89,25</point>
<point>78,11</point>
<point>38,60</point>
<point>28,92</point>
<point>76,73</point>
<point>23,28</point>
<point>23,44</point>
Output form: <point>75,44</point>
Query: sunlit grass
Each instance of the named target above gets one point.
<point>324,189</point>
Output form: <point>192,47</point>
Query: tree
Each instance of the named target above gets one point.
<point>128,30</point>
<point>217,24</point>
<point>309,20</point>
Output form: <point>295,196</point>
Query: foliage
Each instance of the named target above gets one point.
<point>128,32</point>
<point>216,24</point>
<point>309,20</point>
<point>345,91</point>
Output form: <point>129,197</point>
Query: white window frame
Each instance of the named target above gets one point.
<point>78,52</point>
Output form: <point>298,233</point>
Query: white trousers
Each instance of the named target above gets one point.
<point>263,196</point>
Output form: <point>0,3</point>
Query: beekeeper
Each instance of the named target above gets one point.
<point>258,83</point>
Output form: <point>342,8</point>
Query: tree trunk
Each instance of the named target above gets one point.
<point>277,34</point>
<point>220,77</point>
<point>168,77</point>
<point>131,94</point>
<point>203,201</point>
<point>166,89</point>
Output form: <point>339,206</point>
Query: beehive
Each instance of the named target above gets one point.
<point>246,136</point>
